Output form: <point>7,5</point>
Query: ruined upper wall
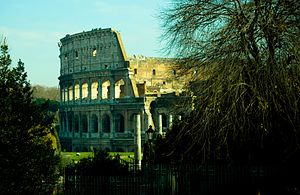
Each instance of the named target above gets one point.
<point>157,75</point>
<point>98,49</point>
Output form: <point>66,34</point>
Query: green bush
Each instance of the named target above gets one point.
<point>101,164</point>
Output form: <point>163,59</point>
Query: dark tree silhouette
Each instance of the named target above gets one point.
<point>28,161</point>
<point>243,61</point>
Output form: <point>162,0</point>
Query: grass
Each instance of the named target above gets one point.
<point>71,157</point>
<point>127,156</point>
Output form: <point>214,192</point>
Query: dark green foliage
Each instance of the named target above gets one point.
<point>101,164</point>
<point>28,163</point>
<point>244,57</point>
<point>50,111</point>
<point>50,105</point>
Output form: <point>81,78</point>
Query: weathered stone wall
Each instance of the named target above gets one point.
<point>157,74</point>
<point>98,49</point>
<point>105,98</point>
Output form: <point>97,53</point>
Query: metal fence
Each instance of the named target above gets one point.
<point>176,179</point>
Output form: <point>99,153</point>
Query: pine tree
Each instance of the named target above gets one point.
<point>28,161</point>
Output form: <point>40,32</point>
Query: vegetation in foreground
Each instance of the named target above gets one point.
<point>101,163</point>
<point>74,157</point>
<point>244,60</point>
<point>29,163</point>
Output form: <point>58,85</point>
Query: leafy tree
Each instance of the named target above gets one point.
<point>50,110</point>
<point>243,61</point>
<point>28,160</point>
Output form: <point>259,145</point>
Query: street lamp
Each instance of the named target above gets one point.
<point>150,133</point>
<point>150,153</point>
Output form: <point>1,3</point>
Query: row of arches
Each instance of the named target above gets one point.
<point>92,123</point>
<point>97,123</point>
<point>93,90</point>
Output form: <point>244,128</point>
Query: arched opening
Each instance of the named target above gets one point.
<point>63,121</point>
<point>119,123</point>
<point>77,91</point>
<point>85,91</point>
<point>120,150</point>
<point>94,90</point>
<point>94,123</point>
<point>76,123</point>
<point>132,123</point>
<point>84,123</point>
<point>65,94</point>
<point>119,89</point>
<point>76,149</point>
<point>94,52</point>
<point>105,90</point>
<point>164,122</point>
<point>106,123</point>
<point>85,149</point>
<point>71,92</point>
<point>70,121</point>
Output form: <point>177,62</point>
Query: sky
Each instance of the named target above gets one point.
<point>32,29</point>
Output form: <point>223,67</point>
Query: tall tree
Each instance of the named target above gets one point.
<point>28,161</point>
<point>244,60</point>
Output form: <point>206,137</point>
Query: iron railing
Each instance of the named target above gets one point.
<point>176,179</point>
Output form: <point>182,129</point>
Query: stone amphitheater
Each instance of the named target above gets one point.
<point>108,100</point>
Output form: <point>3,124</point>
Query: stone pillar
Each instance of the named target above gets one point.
<point>170,121</point>
<point>61,94</point>
<point>68,95</point>
<point>79,124</point>
<point>127,87</point>
<point>80,90</point>
<point>99,89</point>
<point>89,90</point>
<point>148,120</point>
<point>62,123</point>
<point>112,90</point>
<point>160,124</point>
<point>73,123</point>
<point>137,141</point>
<point>126,122</point>
<point>143,123</point>
<point>88,115</point>
<point>67,124</point>
<point>65,95</point>
<point>99,124</point>
<point>112,126</point>
<point>73,91</point>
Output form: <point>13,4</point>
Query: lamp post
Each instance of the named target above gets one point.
<point>150,134</point>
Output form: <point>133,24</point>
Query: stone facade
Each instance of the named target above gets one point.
<point>107,99</point>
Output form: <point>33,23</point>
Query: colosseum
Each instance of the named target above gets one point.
<point>109,100</point>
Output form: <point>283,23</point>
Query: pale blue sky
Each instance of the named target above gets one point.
<point>33,28</point>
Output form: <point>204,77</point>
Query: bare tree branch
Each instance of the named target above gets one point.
<point>246,58</point>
